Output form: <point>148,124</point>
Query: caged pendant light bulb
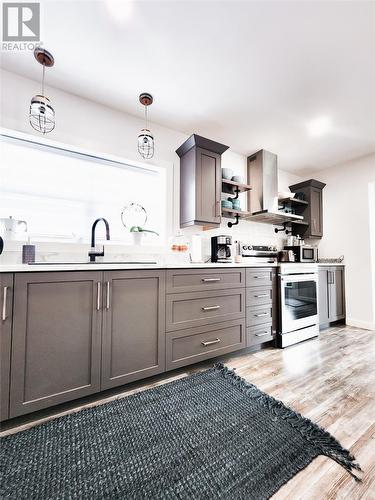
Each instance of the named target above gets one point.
<point>42,114</point>
<point>146,143</point>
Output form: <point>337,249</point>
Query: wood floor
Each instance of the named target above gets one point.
<point>330,380</point>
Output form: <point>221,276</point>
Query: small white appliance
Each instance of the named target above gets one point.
<point>13,229</point>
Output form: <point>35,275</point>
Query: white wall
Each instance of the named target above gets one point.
<point>86,124</point>
<point>349,229</point>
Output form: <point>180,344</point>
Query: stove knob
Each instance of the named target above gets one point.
<point>244,247</point>
<point>249,247</point>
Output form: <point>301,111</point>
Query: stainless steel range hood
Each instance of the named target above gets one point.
<point>262,200</point>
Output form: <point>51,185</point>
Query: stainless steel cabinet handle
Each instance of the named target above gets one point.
<point>333,277</point>
<point>4,311</point>
<point>108,304</point>
<point>210,308</point>
<point>261,314</point>
<point>217,208</point>
<point>98,289</point>
<point>260,277</point>
<point>210,279</point>
<point>261,334</point>
<point>262,295</point>
<point>210,342</point>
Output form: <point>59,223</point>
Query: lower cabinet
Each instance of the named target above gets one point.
<point>6,301</point>
<point>66,335</point>
<point>331,294</point>
<point>133,326</point>
<point>56,343</point>
<point>76,333</point>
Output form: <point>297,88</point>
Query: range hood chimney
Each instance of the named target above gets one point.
<point>262,201</point>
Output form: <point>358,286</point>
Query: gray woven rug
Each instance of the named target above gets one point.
<point>209,435</point>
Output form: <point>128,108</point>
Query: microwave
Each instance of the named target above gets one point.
<point>304,253</point>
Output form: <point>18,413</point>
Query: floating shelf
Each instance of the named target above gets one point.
<point>294,201</point>
<point>232,213</point>
<point>230,187</point>
<point>299,222</point>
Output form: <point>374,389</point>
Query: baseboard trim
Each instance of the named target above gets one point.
<point>366,325</point>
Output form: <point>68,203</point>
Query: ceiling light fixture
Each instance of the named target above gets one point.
<point>42,114</point>
<point>120,10</point>
<point>319,126</point>
<point>146,142</point>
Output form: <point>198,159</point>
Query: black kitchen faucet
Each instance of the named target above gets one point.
<point>92,252</point>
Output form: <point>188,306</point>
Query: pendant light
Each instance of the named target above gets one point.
<point>42,114</point>
<point>146,143</point>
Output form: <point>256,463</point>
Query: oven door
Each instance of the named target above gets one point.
<point>298,301</point>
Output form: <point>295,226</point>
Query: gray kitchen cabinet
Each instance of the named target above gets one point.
<point>192,345</point>
<point>323,296</point>
<point>6,301</point>
<point>133,326</point>
<point>261,305</point>
<point>312,191</point>
<point>187,310</point>
<point>196,280</point>
<point>200,181</point>
<point>331,294</point>
<point>56,341</point>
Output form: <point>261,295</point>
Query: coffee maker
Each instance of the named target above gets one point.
<point>220,249</point>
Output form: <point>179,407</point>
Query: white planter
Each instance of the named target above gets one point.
<point>137,237</point>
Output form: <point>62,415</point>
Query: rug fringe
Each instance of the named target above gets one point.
<point>315,435</point>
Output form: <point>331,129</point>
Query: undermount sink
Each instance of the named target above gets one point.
<point>130,262</point>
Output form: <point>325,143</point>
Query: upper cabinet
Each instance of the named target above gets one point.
<point>312,191</point>
<point>200,181</point>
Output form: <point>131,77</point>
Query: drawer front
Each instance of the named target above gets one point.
<point>186,310</point>
<point>258,315</point>
<point>257,296</point>
<point>259,277</point>
<point>196,344</point>
<point>195,280</point>
<point>259,334</point>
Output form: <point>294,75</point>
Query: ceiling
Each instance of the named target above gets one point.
<point>297,78</point>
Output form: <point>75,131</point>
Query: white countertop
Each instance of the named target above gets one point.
<point>101,266</point>
<point>330,264</point>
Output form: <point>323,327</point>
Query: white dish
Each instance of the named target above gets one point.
<point>283,195</point>
<point>227,173</point>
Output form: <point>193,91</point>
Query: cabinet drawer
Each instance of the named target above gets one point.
<point>258,296</point>
<point>259,277</point>
<point>258,315</point>
<point>195,280</point>
<point>259,334</point>
<point>196,344</point>
<point>185,310</point>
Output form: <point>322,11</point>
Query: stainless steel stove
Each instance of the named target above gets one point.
<point>298,293</point>
<point>257,253</point>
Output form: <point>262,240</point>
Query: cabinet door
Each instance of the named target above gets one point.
<point>133,326</point>
<point>208,186</point>
<point>56,339</point>
<point>323,296</point>
<point>336,294</point>
<point>6,301</point>
<point>316,212</point>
